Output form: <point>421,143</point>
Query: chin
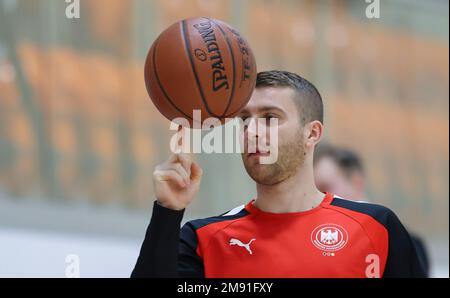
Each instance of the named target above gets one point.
<point>261,174</point>
<point>266,181</point>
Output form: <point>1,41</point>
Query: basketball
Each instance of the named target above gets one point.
<point>200,64</point>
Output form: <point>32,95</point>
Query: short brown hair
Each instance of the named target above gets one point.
<point>308,100</point>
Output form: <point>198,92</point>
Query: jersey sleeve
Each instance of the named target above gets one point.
<point>402,260</point>
<point>189,262</point>
<point>166,250</point>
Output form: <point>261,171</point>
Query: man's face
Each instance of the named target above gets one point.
<point>268,103</point>
<point>330,178</point>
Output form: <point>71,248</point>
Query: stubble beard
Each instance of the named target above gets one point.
<point>291,157</point>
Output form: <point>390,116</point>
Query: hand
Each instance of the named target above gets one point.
<point>177,181</point>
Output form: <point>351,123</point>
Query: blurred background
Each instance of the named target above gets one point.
<point>79,137</point>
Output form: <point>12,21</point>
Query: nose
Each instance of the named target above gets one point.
<point>256,136</point>
<point>252,128</point>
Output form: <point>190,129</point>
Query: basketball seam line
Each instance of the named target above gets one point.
<point>191,60</point>
<point>160,85</point>
<point>246,101</point>
<point>230,99</point>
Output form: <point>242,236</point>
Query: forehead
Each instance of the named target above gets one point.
<point>282,98</point>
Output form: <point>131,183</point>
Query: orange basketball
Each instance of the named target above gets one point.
<point>200,64</point>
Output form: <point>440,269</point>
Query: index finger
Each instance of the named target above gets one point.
<point>184,156</point>
<point>184,159</point>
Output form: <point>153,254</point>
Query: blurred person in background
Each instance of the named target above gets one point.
<point>340,171</point>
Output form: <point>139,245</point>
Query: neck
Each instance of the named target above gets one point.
<point>295,194</point>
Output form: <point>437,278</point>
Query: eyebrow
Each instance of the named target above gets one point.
<point>262,109</point>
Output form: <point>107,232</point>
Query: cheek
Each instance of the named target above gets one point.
<point>289,134</point>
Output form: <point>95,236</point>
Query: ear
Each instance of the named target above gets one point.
<point>313,133</point>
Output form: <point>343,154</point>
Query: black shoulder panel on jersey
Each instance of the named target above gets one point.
<point>189,263</point>
<point>377,212</point>
<point>200,223</point>
<point>402,259</point>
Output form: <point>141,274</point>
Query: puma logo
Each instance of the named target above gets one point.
<point>239,243</point>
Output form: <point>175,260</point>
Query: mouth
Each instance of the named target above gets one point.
<point>258,154</point>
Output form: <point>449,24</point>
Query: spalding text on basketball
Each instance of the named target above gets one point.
<point>219,77</point>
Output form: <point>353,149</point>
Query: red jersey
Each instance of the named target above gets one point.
<point>338,238</point>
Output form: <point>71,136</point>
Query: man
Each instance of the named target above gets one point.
<point>291,229</point>
<point>341,172</point>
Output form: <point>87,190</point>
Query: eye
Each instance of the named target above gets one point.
<point>271,116</point>
<point>243,118</point>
